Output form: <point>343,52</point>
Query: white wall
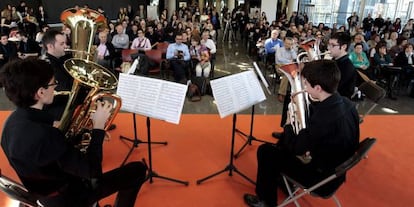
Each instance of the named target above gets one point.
<point>269,7</point>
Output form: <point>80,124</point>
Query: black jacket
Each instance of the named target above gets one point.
<point>347,83</point>
<point>331,136</point>
<point>41,156</point>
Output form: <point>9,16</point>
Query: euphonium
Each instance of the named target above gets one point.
<point>298,106</point>
<point>309,54</point>
<point>88,76</point>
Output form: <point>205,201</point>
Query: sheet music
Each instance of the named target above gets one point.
<point>152,97</point>
<point>259,72</point>
<point>236,92</point>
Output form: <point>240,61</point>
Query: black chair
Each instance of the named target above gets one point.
<point>301,190</point>
<point>372,91</point>
<point>17,191</point>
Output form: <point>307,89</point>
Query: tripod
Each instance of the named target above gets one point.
<point>151,173</point>
<point>249,137</point>
<point>135,141</point>
<point>230,167</point>
<point>229,31</point>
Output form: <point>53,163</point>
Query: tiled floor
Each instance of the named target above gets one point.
<point>233,58</point>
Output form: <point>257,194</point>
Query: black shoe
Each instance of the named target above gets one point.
<point>253,201</point>
<point>277,135</point>
<point>111,127</point>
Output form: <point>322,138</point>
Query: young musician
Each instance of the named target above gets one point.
<point>59,174</point>
<point>330,138</point>
<point>338,47</point>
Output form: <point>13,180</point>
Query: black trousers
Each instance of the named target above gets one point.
<point>273,159</point>
<point>180,70</point>
<point>126,180</point>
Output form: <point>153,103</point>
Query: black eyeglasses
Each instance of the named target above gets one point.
<point>55,83</point>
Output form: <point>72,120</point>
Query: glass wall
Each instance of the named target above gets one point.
<point>336,11</point>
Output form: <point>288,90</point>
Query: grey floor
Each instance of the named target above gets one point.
<point>233,58</point>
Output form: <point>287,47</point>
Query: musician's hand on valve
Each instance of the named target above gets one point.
<point>101,115</point>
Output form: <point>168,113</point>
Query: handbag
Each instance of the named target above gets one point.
<point>193,93</point>
<point>201,83</point>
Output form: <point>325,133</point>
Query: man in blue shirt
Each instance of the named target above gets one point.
<point>179,56</point>
<point>270,46</point>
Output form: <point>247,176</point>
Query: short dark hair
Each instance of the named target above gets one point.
<point>324,73</point>
<point>22,78</point>
<point>343,38</point>
<point>50,37</point>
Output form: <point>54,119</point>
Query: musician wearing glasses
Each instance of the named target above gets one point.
<point>312,153</point>
<point>338,47</point>
<point>58,173</point>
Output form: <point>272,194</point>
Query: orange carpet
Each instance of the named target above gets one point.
<point>200,146</point>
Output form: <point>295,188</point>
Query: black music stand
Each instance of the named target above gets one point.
<point>151,173</point>
<point>249,137</point>
<point>230,167</point>
<point>135,141</point>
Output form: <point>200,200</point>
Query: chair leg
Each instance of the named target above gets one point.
<point>291,194</point>
<point>336,201</point>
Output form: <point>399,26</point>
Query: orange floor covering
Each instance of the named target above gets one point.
<point>200,146</point>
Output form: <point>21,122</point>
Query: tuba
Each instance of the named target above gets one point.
<point>89,77</point>
<point>299,104</point>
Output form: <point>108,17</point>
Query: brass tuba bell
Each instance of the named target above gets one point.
<point>89,77</point>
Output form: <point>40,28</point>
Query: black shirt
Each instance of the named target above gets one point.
<point>347,83</point>
<point>41,156</point>
<point>332,133</point>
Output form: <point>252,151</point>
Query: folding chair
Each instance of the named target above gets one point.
<point>372,91</point>
<point>17,192</point>
<point>301,191</point>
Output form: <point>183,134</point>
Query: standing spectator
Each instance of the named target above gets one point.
<point>294,19</point>
<point>367,24</point>
<point>41,16</point>
<point>396,26</point>
<point>353,21</point>
<point>379,23</point>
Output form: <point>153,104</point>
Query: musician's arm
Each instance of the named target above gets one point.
<point>296,144</point>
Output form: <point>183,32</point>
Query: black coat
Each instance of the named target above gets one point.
<point>347,83</point>
<point>42,158</point>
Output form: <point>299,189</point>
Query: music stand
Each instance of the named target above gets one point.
<point>249,137</point>
<point>135,141</point>
<point>230,167</point>
<point>151,173</point>
<point>232,94</point>
<point>152,98</point>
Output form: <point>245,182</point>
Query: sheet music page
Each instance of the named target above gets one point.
<point>236,92</point>
<point>152,97</point>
